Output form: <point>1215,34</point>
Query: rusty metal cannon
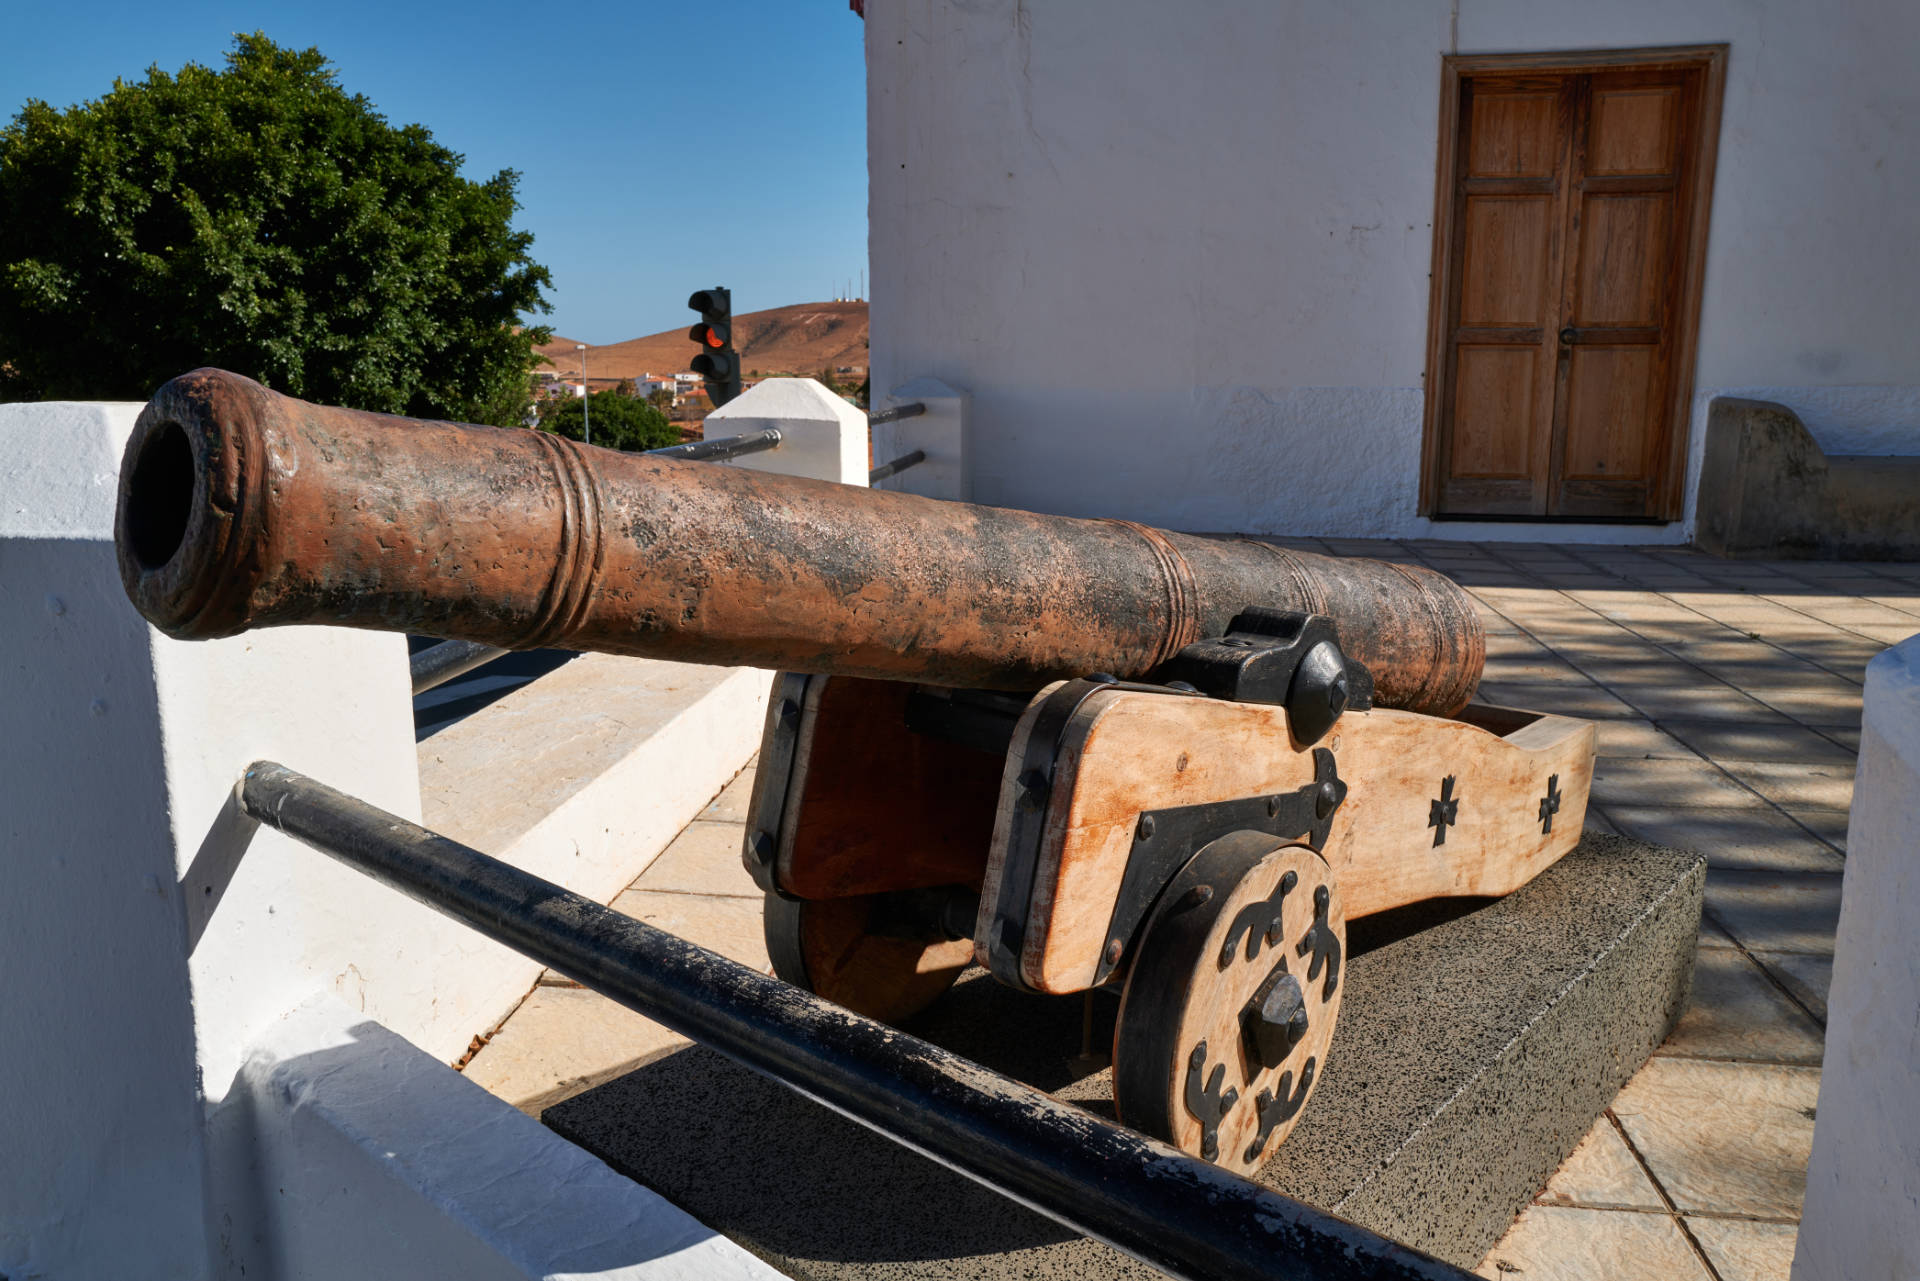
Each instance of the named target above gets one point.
<point>1086,754</point>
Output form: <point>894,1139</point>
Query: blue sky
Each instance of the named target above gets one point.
<point>662,147</point>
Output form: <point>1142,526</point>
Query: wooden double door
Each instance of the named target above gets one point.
<point>1568,252</point>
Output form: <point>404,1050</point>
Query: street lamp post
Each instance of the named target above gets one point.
<point>586,397</point>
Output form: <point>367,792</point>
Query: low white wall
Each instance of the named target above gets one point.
<point>583,777</point>
<point>1179,254</point>
<point>1862,1215</point>
<point>373,1161</point>
<point>152,935</point>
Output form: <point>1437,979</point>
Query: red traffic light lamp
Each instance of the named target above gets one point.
<point>717,363</point>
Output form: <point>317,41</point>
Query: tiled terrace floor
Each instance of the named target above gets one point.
<point>1728,700</point>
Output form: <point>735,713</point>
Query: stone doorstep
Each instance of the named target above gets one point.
<point>1434,1130</point>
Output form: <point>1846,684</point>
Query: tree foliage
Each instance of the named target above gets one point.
<point>263,220</point>
<point>619,422</point>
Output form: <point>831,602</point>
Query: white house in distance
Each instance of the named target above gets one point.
<point>1405,268</point>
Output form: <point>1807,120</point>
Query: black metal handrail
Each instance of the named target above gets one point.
<point>438,664</point>
<point>912,409</point>
<point>1181,1215</point>
<point>897,466</point>
<point>695,451</point>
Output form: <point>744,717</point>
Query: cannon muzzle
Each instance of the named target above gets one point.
<point>242,508</point>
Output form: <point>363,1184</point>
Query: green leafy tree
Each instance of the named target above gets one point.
<point>619,422</point>
<point>263,220</point>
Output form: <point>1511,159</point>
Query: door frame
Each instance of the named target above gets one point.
<point>1670,501</point>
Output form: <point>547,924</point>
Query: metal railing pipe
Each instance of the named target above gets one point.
<point>437,664</point>
<point>897,466</point>
<point>912,409</point>
<point>695,451</point>
<point>1142,1197</point>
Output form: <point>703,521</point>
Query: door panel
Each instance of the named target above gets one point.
<point>1568,238</point>
<point>1503,274</point>
<point>1608,390</point>
<point>1633,130</point>
<point>1493,417</point>
<point>1621,273</point>
<point>1514,135</point>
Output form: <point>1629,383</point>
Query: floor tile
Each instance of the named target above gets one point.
<point>1563,700</point>
<point>731,805</point>
<point>1807,977</point>
<point>1602,1174</point>
<point>1700,698</point>
<point>563,1040</point>
<point>1798,784</point>
<point>1775,912</point>
<point>1719,740</point>
<point>1836,704</point>
<point>1743,1250</point>
<point>1737,1013</point>
<point>703,859</point>
<point>1562,1243</point>
<point>729,926</point>
<point>1712,935</point>
<point>1829,825</point>
<point>1731,1138</point>
<point>1755,839</point>
<point>1889,634</point>
<point>1688,783</point>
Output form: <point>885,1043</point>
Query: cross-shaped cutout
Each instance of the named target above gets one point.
<point>1444,813</point>
<point>1549,804</point>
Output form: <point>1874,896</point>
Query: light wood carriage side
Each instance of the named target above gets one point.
<point>870,808</point>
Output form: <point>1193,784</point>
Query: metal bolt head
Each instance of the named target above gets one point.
<point>762,847</point>
<point>1144,828</point>
<point>1337,695</point>
<point>1114,949</point>
<point>1275,1019</point>
<point>1273,807</point>
<point>1325,797</point>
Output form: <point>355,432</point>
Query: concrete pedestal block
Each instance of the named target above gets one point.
<point>1767,490</point>
<point>1472,1054</point>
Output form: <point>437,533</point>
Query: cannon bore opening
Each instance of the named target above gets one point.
<point>160,499</point>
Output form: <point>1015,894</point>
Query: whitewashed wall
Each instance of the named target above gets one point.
<point>1178,253</point>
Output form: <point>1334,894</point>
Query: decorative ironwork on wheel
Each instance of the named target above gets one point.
<point>1231,1000</point>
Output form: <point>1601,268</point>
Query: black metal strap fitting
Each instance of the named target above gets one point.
<point>1282,657</point>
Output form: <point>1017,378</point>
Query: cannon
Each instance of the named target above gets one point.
<point>1086,755</point>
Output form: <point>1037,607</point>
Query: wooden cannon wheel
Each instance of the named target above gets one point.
<point>1231,1000</point>
<point>848,951</point>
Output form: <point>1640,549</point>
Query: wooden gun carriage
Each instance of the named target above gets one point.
<point>1198,843</point>
<point>1080,753</point>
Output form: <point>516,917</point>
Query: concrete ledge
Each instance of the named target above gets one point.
<point>1471,1057</point>
<point>585,776</point>
<point>372,1160</point>
<point>1767,489</point>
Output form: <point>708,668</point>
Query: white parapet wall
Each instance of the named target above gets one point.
<point>157,1090</point>
<point>1862,1215</point>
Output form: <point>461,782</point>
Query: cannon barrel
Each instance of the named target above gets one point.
<point>242,508</point>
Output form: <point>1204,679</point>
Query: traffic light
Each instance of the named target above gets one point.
<point>716,363</point>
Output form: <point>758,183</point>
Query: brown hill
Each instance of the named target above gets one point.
<point>802,339</point>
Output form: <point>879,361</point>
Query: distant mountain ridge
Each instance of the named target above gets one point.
<point>800,339</point>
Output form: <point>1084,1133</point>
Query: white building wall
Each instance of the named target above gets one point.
<point>1179,254</point>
